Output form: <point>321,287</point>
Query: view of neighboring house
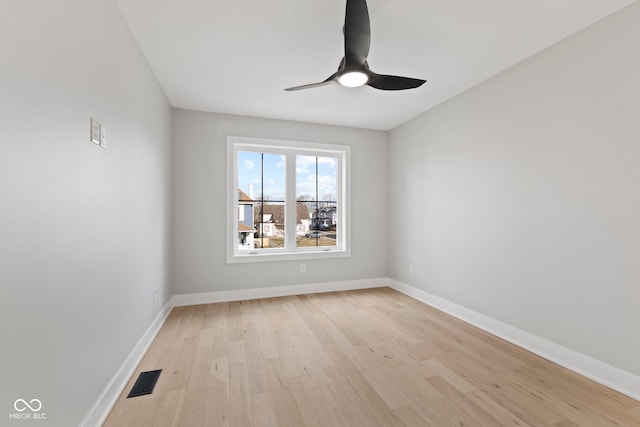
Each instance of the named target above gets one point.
<point>273,219</point>
<point>304,224</point>
<point>266,228</point>
<point>258,220</point>
<point>245,221</point>
<point>323,218</point>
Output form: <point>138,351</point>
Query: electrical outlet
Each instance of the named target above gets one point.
<point>303,268</point>
<point>410,268</point>
<point>155,294</point>
<point>94,131</point>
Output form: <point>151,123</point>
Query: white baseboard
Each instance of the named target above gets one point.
<point>610,376</point>
<point>101,408</point>
<point>277,291</point>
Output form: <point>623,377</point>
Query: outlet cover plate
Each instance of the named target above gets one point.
<point>94,135</point>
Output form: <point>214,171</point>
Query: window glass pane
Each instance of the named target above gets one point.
<point>261,195</point>
<point>316,197</point>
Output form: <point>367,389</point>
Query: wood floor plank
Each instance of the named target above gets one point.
<point>239,396</point>
<point>236,326</point>
<point>527,404</point>
<point>438,369</point>
<point>566,423</point>
<point>356,357</point>
<point>315,318</point>
<point>372,401</point>
<point>219,370</point>
<point>287,410</point>
<point>379,355</point>
<point>236,351</point>
<point>264,411</point>
<point>255,361</point>
<point>306,404</point>
<point>170,409</point>
<point>331,411</point>
<point>311,351</point>
<point>393,395</point>
<point>178,374</point>
<point>462,402</point>
<point>356,415</point>
<point>264,334</point>
<point>410,417</point>
<point>197,409</point>
<point>443,413</point>
<point>371,357</point>
<point>340,386</point>
<point>500,413</point>
<point>413,378</point>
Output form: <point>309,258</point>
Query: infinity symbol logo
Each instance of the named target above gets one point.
<point>21,405</point>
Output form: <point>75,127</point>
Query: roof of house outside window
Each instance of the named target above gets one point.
<point>244,228</point>
<point>242,196</point>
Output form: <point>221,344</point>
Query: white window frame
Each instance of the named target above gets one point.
<point>290,149</point>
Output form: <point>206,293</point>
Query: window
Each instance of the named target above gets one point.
<point>286,200</point>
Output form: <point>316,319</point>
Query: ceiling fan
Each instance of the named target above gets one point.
<point>353,70</point>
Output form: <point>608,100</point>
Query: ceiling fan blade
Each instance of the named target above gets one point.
<point>385,82</point>
<point>357,33</point>
<point>312,85</point>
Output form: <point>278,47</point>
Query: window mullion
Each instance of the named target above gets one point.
<point>290,220</point>
<point>232,222</point>
<point>341,208</point>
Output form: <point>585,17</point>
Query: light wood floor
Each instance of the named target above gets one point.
<point>362,358</point>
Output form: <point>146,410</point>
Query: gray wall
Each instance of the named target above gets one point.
<point>524,199</point>
<point>83,231</point>
<point>199,204</point>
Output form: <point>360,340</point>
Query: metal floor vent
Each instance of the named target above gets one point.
<point>145,383</point>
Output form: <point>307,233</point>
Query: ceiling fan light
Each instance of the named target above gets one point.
<point>353,79</point>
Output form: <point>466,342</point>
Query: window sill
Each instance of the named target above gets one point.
<point>287,256</point>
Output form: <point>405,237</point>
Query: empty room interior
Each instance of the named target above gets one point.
<point>320,213</point>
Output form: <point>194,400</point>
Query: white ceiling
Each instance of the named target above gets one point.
<point>237,56</point>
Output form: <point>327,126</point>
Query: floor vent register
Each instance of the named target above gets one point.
<point>145,383</point>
